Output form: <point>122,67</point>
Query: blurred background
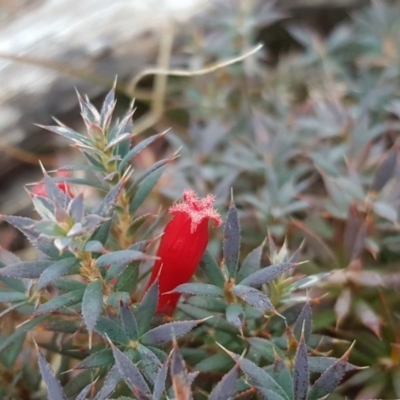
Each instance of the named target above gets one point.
<point>305,130</point>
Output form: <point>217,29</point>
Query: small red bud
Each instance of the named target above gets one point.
<point>40,189</point>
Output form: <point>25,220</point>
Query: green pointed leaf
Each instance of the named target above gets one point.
<point>265,348</point>
<point>329,380</point>
<point>66,266</point>
<point>147,308</point>
<point>44,207</point>
<point>137,149</point>
<point>258,376</point>
<point>150,364</point>
<point>112,330</point>
<point>251,263</point>
<point>300,371</point>
<point>282,376</point>
<point>129,321</point>
<point>107,109</point>
<point>99,359</point>
<point>235,315</point>
<point>54,193</point>
<point>267,274</point>
<point>120,258</point>
<point>75,385</point>
<point>129,372</point>
<point>69,134</point>
<point>165,333</point>
<point>148,171</point>
<point>231,245</point>
<point>110,384</point>
<point>61,301</point>
<point>304,321</point>
<point>54,389</point>
<point>159,382</point>
<point>144,189</point>
<point>226,387</point>
<point>7,257</point>
<point>199,289</point>
<point>92,304</point>
<point>321,364</point>
<point>107,206</point>
<point>93,246</point>
<point>253,297</point>
<point>25,269</point>
<point>215,322</point>
<point>219,362</point>
<point>82,395</point>
<point>212,270</point>
<point>9,296</point>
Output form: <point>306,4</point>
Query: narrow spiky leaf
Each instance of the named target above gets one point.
<point>251,263</point>
<point>159,383</point>
<point>165,333</point>
<point>54,389</point>
<point>109,385</point>
<point>147,308</point>
<point>231,245</point>
<point>199,289</point>
<point>266,274</point>
<point>120,258</point>
<point>212,270</point>
<point>150,364</point>
<point>144,189</point>
<point>226,387</point>
<point>84,392</point>
<point>235,315</point>
<point>321,364</point>
<point>107,109</point>
<point>254,297</point>
<point>92,306</point>
<point>179,376</point>
<point>330,379</point>
<point>281,374</point>
<point>107,206</point>
<point>300,371</point>
<point>137,149</point>
<point>61,301</point>
<point>384,171</point>
<point>9,296</point>
<point>112,330</point>
<point>257,376</point>
<point>25,269</point>
<point>304,320</point>
<point>128,321</point>
<point>68,134</point>
<point>101,358</point>
<point>129,372</point>
<point>67,266</point>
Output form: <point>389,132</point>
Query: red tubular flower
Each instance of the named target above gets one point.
<point>182,246</point>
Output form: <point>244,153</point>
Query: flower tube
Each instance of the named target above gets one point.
<point>182,246</point>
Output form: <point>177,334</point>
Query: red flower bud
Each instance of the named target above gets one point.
<point>182,246</point>
<point>40,190</point>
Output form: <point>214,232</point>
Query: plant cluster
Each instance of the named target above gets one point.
<point>298,154</point>
<point>82,299</point>
<point>310,146</point>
